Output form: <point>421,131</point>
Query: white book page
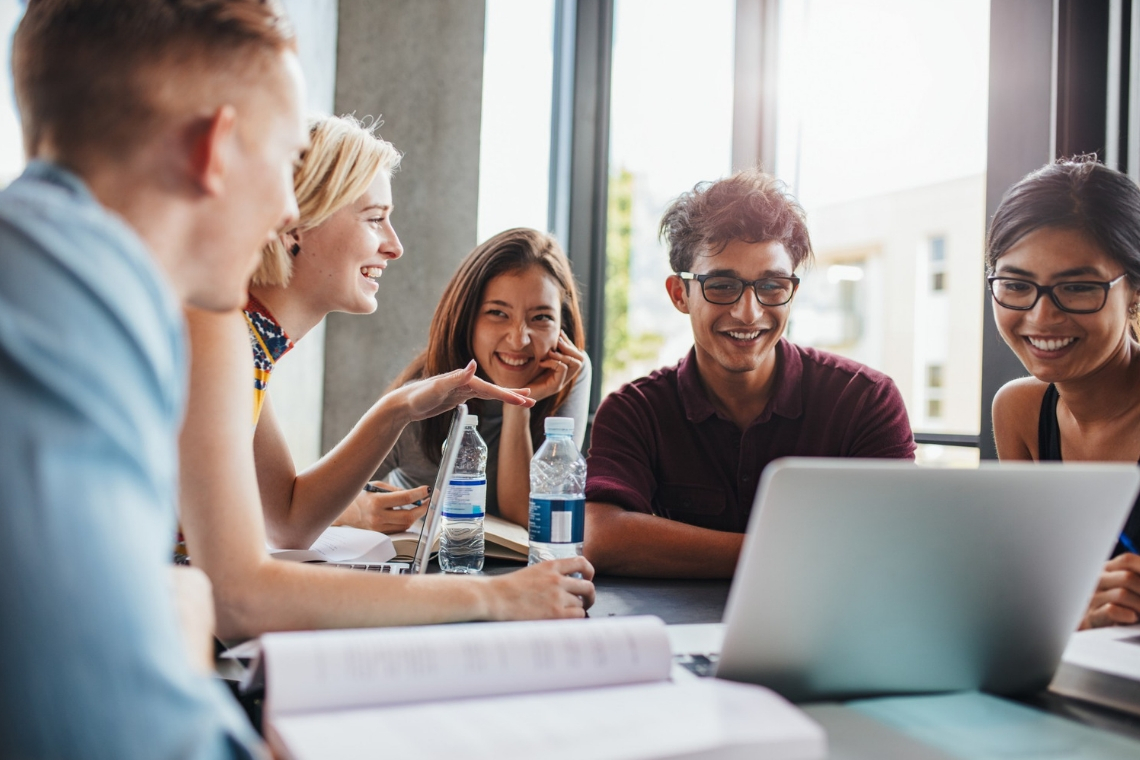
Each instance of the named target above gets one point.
<point>326,670</point>
<point>705,719</point>
<point>1114,650</point>
<point>343,544</point>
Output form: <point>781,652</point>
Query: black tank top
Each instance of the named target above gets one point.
<point>1049,450</point>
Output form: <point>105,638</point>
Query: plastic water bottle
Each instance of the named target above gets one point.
<point>461,541</point>
<point>557,494</point>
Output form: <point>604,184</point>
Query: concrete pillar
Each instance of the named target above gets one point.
<point>419,66</point>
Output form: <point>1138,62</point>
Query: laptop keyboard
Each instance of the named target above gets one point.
<point>703,665</point>
<point>393,568</point>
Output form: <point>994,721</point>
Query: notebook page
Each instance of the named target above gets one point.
<point>706,719</point>
<point>341,543</point>
<point>325,670</point>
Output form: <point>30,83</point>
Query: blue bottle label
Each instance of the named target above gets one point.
<point>466,497</point>
<point>557,521</point>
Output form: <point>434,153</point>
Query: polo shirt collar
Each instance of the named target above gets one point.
<point>787,397</point>
<point>47,171</point>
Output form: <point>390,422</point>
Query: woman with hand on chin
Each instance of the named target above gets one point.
<point>512,308</point>
<point>236,495</point>
<point>1064,258</point>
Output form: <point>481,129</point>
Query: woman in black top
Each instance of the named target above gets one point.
<point>1063,254</point>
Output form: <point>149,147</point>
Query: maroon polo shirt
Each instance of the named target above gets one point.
<point>658,446</point>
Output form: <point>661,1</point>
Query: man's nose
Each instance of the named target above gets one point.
<point>292,214</point>
<point>748,308</point>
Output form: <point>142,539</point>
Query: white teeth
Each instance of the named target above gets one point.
<point>1054,344</point>
<point>743,335</point>
<point>373,273</point>
<point>512,362</point>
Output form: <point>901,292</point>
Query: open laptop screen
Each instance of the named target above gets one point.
<point>442,479</point>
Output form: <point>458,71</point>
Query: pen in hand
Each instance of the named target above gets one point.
<point>370,488</point>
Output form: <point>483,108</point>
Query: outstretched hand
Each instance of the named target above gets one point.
<point>442,393</point>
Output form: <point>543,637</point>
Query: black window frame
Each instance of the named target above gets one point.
<point>1063,80</point>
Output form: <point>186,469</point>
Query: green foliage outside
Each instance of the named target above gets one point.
<point>622,348</point>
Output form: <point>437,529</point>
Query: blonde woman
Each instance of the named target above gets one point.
<point>330,261</point>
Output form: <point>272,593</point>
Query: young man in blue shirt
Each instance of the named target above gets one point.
<point>162,135</point>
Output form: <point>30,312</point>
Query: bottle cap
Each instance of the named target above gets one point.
<point>559,426</point>
<point>471,420</point>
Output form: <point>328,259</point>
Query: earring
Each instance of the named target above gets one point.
<point>296,249</point>
<point>1134,310</point>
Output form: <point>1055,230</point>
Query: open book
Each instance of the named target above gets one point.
<point>554,689</point>
<point>342,544</point>
<point>1102,665</point>
<point>502,539</point>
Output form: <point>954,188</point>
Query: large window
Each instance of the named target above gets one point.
<point>882,136</point>
<point>514,138</point>
<point>670,127</point>
<point>876,115</point>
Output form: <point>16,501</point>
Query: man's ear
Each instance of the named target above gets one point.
<point>675,287</point>
<point>211,149</point>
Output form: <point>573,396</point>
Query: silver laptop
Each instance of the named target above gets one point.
<point>431,519</point>
<point>865,577</point>
<point>434,512</point>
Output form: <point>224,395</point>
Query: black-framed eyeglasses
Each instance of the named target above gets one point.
<point>724,290</point>
<point>1074,297</point>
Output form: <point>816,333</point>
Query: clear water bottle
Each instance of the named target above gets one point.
<point>557,494</point>
<point>461,540</point>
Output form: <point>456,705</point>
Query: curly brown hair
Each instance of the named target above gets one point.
<point>750,205</point>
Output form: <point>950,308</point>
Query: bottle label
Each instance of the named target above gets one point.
<point>556,520</point>
<point>466,497</point>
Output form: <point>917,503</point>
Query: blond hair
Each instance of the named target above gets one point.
<point>344,157</point>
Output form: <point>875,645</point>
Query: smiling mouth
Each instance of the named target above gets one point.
<point>513,362</point>
<point>372,273</point>
<point>744,335</point>
<point>1050,344</point>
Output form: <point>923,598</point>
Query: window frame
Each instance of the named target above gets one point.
<point>1050,94</point>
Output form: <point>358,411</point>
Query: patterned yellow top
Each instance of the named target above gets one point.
<point>269,343</point>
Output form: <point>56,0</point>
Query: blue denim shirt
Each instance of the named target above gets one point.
<point>92,385</point>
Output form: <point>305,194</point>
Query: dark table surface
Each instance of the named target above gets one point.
<point>674,601</point>
<point>692,601</point>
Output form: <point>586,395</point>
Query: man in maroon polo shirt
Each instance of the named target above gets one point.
<point>675,457</point>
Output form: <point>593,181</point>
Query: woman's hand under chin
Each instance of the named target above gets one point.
<point>559,367</point>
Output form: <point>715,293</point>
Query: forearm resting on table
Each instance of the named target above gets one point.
<point>515,452</point>
<point>620,542</point>
<point>284,596</point>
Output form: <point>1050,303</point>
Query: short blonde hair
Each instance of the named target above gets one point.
<point>343,158</point>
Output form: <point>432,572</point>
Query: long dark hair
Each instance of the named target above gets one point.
<point>1078,194</point>
<point>453,324</point>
